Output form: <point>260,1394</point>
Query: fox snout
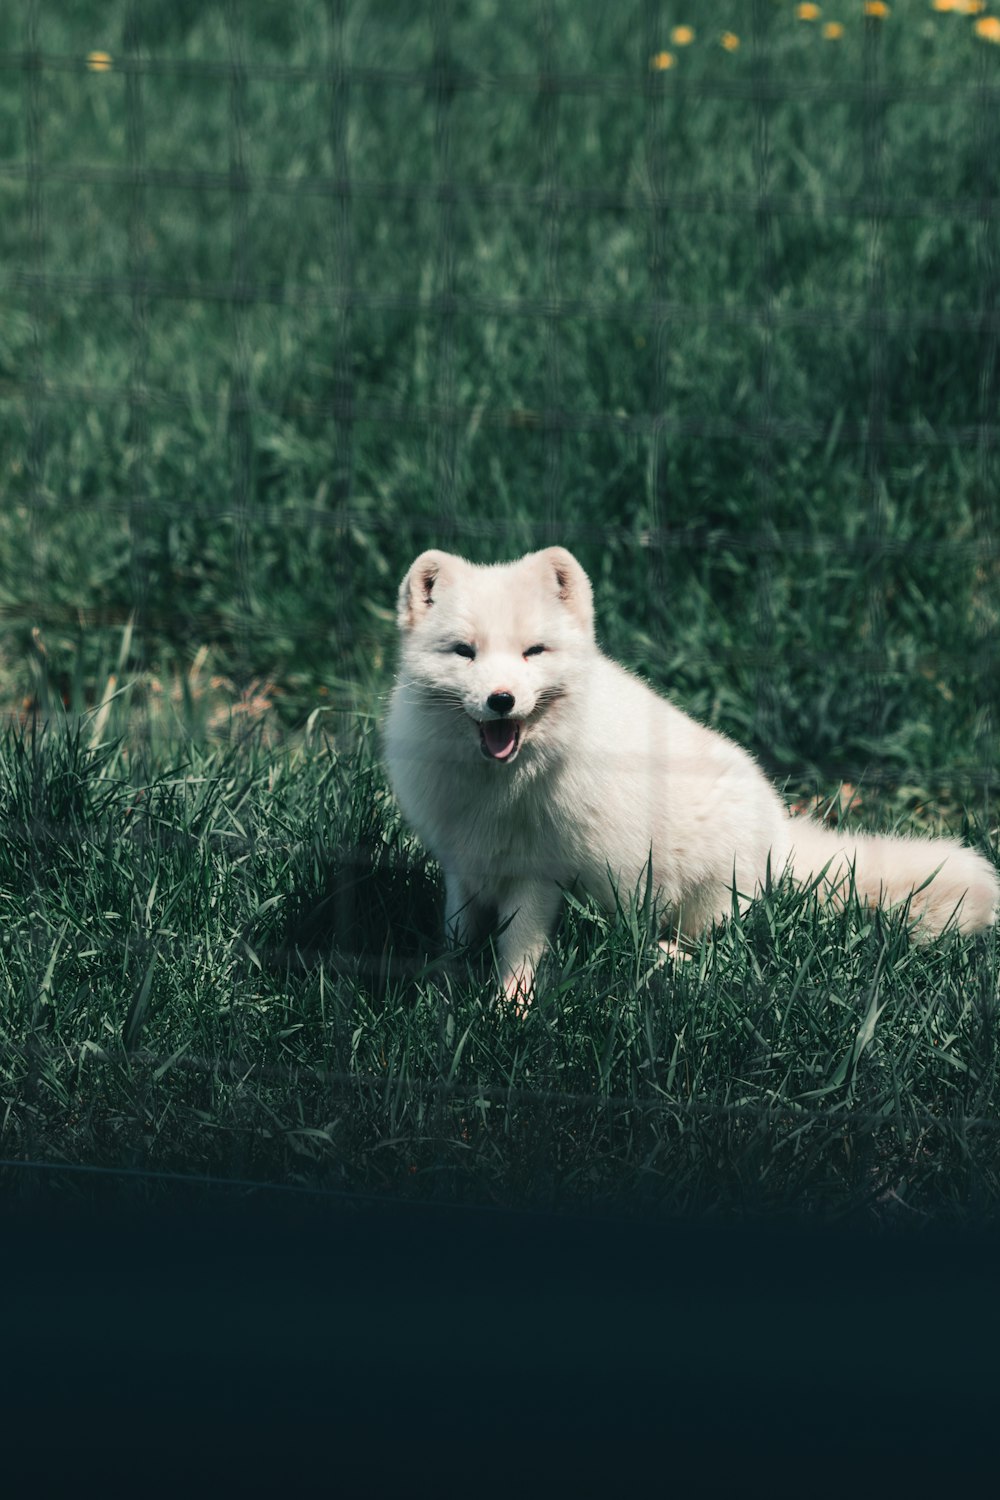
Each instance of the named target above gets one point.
<point>500,738</point>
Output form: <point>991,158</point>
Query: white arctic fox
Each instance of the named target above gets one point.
<point>528,763</point>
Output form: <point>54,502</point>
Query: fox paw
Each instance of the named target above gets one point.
<point>672,949</point>
<point>518,991</point>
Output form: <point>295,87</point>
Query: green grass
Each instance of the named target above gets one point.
<point>229,965</point>
<point>728,331</point>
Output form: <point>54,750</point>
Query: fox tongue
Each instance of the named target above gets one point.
<point>499,737</point>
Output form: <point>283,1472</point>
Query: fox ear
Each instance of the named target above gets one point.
<point>422,583</point>
<point>571,584</point>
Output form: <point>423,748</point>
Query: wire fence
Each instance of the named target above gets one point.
<point>137,291</point>
<point>42,277</point>
<point>280,313</point>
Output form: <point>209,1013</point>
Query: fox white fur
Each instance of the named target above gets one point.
<point>529,763</point>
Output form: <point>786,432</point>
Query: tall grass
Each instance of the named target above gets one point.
<point>229,964</point>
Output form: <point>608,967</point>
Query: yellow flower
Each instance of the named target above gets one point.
<point>876,8</point>
<point>946,4</point>
<point>99,62</point>
<point>833,31</point>
<point>988,27</point>
<point>807,12</point>
<point>729,40</point>
<point>970,7</point>
<point>661,61</point>
<point>682,36</point>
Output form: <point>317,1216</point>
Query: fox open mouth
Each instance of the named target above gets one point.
<point>500,739</point>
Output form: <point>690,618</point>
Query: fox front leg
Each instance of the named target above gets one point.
<point>465,917</point>
<point>530,915</point>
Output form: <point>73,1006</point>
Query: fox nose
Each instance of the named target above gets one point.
<point>501,703</point>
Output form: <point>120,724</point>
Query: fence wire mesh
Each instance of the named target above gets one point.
<point>288,296</point>
<point>91,137</point>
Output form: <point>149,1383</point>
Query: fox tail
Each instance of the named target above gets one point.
<point>946,884</point>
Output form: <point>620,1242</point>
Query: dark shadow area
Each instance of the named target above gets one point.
<point>237,1343</point>
<point>365,908</point>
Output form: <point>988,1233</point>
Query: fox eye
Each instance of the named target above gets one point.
<point>534,650</point>
<point>460,648</point>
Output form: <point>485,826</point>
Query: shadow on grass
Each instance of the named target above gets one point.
<point>366,909</point>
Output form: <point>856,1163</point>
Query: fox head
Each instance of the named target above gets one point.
<point>501,645</point>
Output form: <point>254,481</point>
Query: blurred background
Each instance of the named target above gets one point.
<point>705,292</point>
